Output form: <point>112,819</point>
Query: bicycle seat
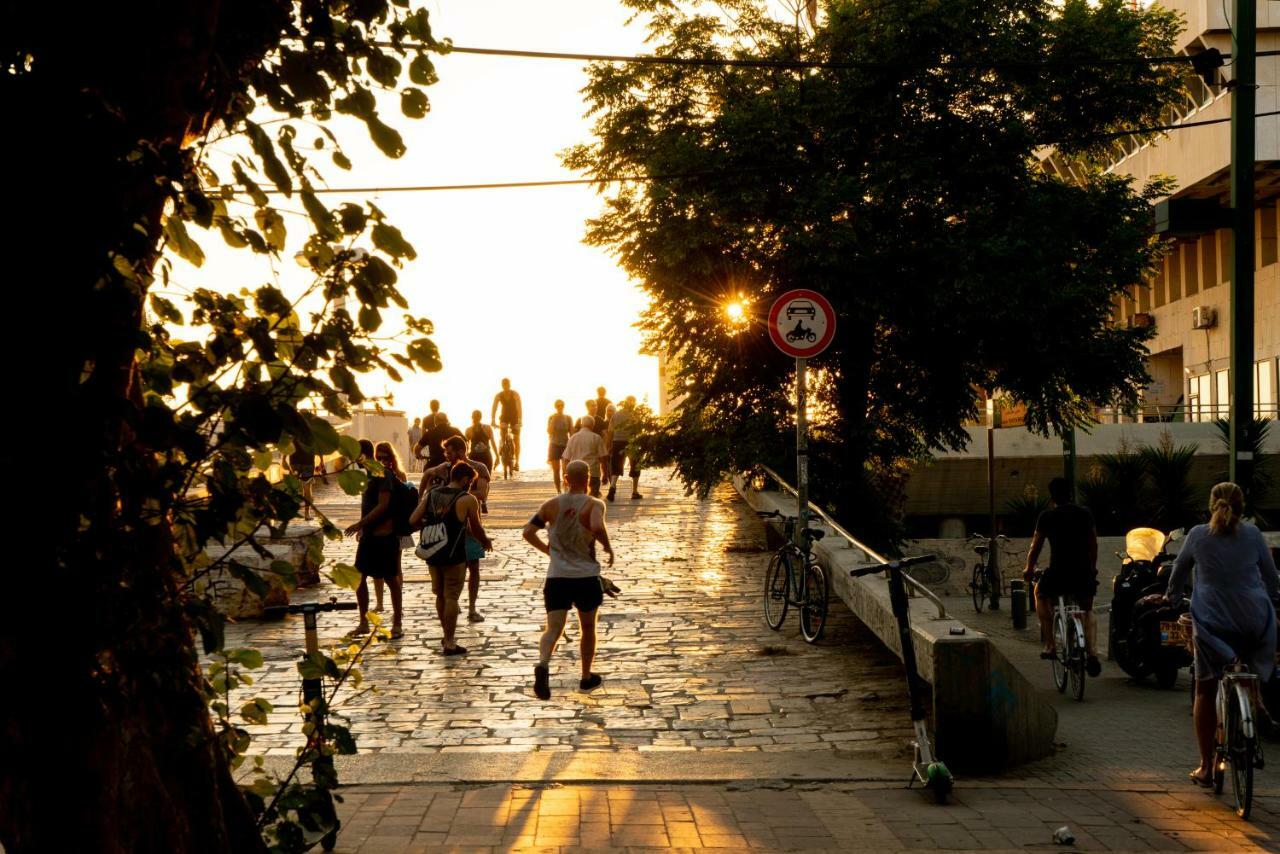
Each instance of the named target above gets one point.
<point>814,533</point>
<point>982,549</point>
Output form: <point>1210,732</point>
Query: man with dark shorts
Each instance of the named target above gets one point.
<point>1073,567</point>
<point>575,522</point>
<point>378,551</point>
<point>433,440</point>
<point>558,428</point>
<point>622,427</point>
<point>455,451</point>
<point>511,416</point>
<point>459,511</point>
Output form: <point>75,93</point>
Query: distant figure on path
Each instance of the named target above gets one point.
<point>575,522</point>
<point>622,430</point>
<point>415,435</point>
<point>558,427</point>
<point>509,413</point>
<point>455,451</point>
<point>459,512</point>
<point>431,419</point>
<point>1232,615</point>
<point>378,552</point>
<point>480,438</point>
<point>303,465</point>
<point>587,446</point>
<point>433,439</point>
<point>1073,567</point>
<point>385,453</point>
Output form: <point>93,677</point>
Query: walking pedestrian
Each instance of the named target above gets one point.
<point>622,432</point>
<point>385,452</point>
<point>433,439</point>
<point>558,426</point>
<point>1232,610</point>
<point>587,446</point>
<point>446,513</point>
<point>415,434</point>
<point>378,549</point>
<point>480,437</point>
<point>302,464</point>
<point>511,416</point>
<point>575,522</point>
<point>455,450</point>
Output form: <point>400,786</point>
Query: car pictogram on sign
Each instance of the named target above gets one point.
<point>802,323</point>
<point>801,308</point>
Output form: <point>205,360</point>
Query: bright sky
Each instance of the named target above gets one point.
<point>503,274</point>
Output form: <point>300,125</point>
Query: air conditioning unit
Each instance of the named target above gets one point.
<point>1204,317</point>
<point>1142,320</point>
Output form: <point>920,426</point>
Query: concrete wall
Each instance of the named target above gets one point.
<point>986,715</point>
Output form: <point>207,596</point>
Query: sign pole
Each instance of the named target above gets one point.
<point>802,451</point>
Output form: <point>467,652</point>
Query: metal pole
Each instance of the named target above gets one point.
<point>1069,461</point>
<point>1243,101</point>
<point>993,553</point>
<point>802,453</point>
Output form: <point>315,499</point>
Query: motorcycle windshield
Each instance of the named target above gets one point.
<point>1143,543</point>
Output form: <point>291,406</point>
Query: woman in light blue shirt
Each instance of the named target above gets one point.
<point>1232,615</point>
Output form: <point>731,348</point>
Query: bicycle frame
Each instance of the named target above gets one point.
<point>1240,686</point>
<point>1071,612</point>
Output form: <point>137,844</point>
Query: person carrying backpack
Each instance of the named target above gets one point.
<point>480,437</point>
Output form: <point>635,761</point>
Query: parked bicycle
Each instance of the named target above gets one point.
<point>985,584</point>
<point>1070,651</point>
<point>1237,743</point>
<point>795,577</point>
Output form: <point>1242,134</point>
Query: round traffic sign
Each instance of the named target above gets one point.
<point>802,323</point>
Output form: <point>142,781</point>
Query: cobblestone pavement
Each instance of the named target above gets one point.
<point>810,817</point>
<point>687,661</point>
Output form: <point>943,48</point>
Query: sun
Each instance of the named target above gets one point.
<point>736,311</point>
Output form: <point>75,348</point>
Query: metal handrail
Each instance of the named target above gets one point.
<point>856,543</point>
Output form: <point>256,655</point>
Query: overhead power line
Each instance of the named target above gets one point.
<point>623,179</point>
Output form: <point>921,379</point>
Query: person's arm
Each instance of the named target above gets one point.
<point>1267,566</point>
<point>598,528</point>
<point>1033,555</point>
<point>519,410</point>
<point>374,515</point>
<point>480,486</point>
<point>493,413</point>
<point>470,508</point>
<point>546,514</point>
<point>429,476</point>
<point>550,429</point>
<point>1182,568</point>
<point>420,512</point>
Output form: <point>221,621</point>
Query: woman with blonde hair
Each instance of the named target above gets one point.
<point>1232,615</point>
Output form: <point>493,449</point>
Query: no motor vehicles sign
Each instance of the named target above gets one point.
<point>802,323</point>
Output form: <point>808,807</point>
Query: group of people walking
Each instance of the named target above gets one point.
<point>443,518</point>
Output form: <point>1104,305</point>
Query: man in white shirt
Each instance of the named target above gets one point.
<point>588,446</point>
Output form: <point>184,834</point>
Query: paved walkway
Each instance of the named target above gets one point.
<point>710,730</point>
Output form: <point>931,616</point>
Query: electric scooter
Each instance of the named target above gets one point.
<point>927,768</point>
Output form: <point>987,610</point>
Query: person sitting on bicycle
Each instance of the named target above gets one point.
<point>1232,615</point>
<point>1073,567</point>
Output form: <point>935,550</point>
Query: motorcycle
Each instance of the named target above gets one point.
<point>1144,635</point>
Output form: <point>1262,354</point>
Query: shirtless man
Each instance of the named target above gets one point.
<point>512,416</point>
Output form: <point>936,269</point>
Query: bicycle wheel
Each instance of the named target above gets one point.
<point>1059,660</point>
<point>777,580</point>
<point>978,587</point>
<point>1075,660</point>
<point>813,607</point>
<point>1240,755</point>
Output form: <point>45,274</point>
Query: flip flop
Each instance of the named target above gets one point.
<point>457,650</point>
<point>1202,782</point>
<point>397,633</point>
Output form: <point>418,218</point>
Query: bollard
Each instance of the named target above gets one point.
<point>1018,603</point>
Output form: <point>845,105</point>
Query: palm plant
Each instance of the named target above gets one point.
<point>1255,441</point>
<point>1170,497</point>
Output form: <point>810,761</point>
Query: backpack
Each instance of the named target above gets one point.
<point>435,534</point>
<point>404,500</point>
<point>480,445</point>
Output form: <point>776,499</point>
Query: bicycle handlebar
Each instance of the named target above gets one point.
<point>984,537</point>
<point>900,563</point>
<point>278,611</point>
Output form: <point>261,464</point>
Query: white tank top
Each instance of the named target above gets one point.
<point>573,548</point>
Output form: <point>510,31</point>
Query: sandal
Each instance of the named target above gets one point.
<point>1203,782</point>
<point>397,632</point>
<point>457,650</point>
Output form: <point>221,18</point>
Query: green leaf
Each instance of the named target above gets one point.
<point>352,480</point>
<point>387,138</point>
<point>320,215</point>
<point>249,578</point>
<point>414,103</point>
<point>421,70</point>
<point>345,576</point>
<point>369,318</point>
<point>349,446</point>
<point>272,224</point>
<point>255,192</point>
<point>272,166</point>
<point>324,438</point>
<point>341,160</point>
<point>283,567</point>
<point>165,310</point>
<point>256,710</point>
<point>246,657</point>
<point>389,239</point>
<point>424,354</point>
<point>263,787</point>
<point>177,238</point>
<point>262,460</point>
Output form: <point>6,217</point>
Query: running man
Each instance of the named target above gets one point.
<point>622,429</point>
<point>511,418</point>
<point>558,428</point>
<point>455,451</point>
<point>575,522</point>
<point>459,511</point>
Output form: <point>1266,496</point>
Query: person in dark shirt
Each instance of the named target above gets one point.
<point>433,440</point>
<point>1073,566</point>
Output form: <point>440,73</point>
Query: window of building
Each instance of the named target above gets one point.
<point>1264,390</point>
<point>1200,398</point>
<point>1222,402</point>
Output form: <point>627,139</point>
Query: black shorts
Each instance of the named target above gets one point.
<point>617,454</point>
<point>561,594</point>
<point>378,556</point>
<point>1082,588</point>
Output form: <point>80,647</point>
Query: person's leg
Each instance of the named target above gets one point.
<point>1044,611</point>
<point>455,578</point>
<point>515,441</point>
<point>397,613</point>
<point>551,635</point>
<point>1090,628</point>
<point>308,498</point>
<point>377,593</point>
<point>555,472</point>
<point>635,479</point>
<point>362,606</point>
<point>473,590</point>
<point>1205,716</point>
<point>587,622</point>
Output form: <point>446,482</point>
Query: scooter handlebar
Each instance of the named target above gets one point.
<point>900,563</point>
<point>276,612</point>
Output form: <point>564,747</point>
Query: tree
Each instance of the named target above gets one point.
<point>156,422</point>
<point>901,181</point>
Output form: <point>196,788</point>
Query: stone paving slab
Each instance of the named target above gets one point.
<point>687,661</point>
<point>782,817</point>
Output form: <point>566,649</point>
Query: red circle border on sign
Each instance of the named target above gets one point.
<point>776,334</point>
